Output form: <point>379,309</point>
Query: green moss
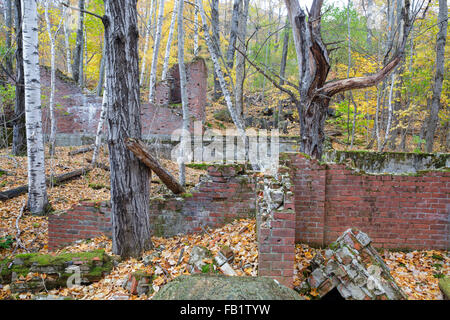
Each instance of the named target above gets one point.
<point>186,195</point>
<point>198,166</point>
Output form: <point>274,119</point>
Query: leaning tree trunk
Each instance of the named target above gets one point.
<point>439,77</point>
<point>19,145</point>
<point>169,41</point>
<point>313,67</point>
<point>151,96</point>
<point>37,190</point>
<point>184,97</point>
<point>129,177</point>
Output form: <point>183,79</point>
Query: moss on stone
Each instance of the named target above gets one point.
<point>198,166</point>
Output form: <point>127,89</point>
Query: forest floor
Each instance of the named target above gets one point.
<point>416,272</point>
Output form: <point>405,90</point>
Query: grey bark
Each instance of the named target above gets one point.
<point>101,76</point>
<point>19,145</point>
<point>129,177</point>
<point>233,33</point>
<point>9,26</point>
<point>184,97</point>
<point>240,59</point>
<point>284,52</point>
<point>439,76</point>
<point>78,55</point>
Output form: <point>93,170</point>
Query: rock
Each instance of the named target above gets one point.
<point>219,287</point>
<point>196,258</point>
<point>444,285</point>
<point>138,283</point>
<point>148,259</point>
<point>355,268</point>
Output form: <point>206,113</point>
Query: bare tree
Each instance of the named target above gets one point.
<point>147,37</point>
<point>233,33</point>
<point>314,65</point>
<point>129,177</point>
<point>169,41</point>
<point>77,67</point>
<point>240,58</point>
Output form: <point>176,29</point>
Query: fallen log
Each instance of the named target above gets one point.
<point>82,150</point>
<point>140,151</point>
<point>12,193</point>
<point>99,165</point>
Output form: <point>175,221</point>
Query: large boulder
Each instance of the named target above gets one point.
<point>219,287</point>
<point>444,285</point>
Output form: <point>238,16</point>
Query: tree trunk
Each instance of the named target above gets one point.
<point>240,59</point>
<point>67,44</point>
<point>285,52</point>
<point>78,56</point>
<point>439,76</point>
<point>169,41</point>
<point>19,145</point>
<point>129,177</point>
<point>195,31</point>
<point>101,76</point>
<point>184,98</point>
<point>52,139</point>
<point>314,65</point>
<point>9,27</point>
<point>147,37</point>
<point>216,43</point>
<point>151,96</point>
<point>37,190</point>
<point>98,136</point>
<point>233,33</point>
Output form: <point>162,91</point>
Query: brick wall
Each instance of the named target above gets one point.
<point>78,112</point>
<point>223,195</point>
<point>396,211</point>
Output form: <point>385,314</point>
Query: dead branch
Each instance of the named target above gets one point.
<point>82,150</point>
<point>140,151</point>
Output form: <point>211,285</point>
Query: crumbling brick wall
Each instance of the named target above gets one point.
<point>223,195</point>
<point>396,211</point>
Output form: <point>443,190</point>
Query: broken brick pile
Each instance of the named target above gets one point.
<point>354,268</point>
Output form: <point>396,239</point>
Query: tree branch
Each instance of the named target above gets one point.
<point>84,11</point>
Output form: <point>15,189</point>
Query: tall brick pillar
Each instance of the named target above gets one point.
<point>276,229</point>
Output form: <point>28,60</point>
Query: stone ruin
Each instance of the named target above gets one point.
<point>353,267</point>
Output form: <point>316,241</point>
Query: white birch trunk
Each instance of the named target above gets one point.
<point>101,121</point>
<point>218,69</point>
<point>184,98</point>
<point>151,96</point>
<point>169,41</point>
<point>388,125</point>
<point>147,37</point>
<point>195,31</point>
<point>37,189</point>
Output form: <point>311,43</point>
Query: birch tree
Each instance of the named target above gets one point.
<point>9,27</point>
<point>184,97</point>
<point>233,33</point>
<point>196,31</point>
<point>439,76</point>
<point>147,38</point>
<point>151,95</point>
<point>19,145</point>
<point>169,41</point>
<point>129,177</point>
<point>101,121</point>
<point>37,189</point>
